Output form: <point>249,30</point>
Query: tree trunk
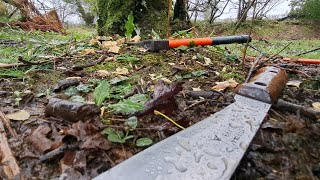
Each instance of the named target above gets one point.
<point>180,10</point>
<point>148,15</point>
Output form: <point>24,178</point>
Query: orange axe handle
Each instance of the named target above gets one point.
<point>209,41</point>
<point>303,60</point>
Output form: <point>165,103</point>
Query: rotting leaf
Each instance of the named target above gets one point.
<point>39,140</point>
<point>220,86</point>
<point>142,142</point>
<point>316,105</point>
<point>21,115</point>
<point>88,135</point>
<point>102,92</point>
<point>163,95</point>
<point>121,71</point>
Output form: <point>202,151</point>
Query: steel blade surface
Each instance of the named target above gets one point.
<point>210,149</point>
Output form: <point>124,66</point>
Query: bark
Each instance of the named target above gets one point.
<point>180,10</point>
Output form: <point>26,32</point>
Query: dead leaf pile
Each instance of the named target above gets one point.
<point>88,135</point>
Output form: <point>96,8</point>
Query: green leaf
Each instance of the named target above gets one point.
<point>79,99</point>
<point>126,107</point>
<point>199,73</point>
<point>132,122</point>
<point>116,138</point>
<point>128,137</point>
<point>127,58</point>
<point>129,27</point>
<point>144,142</point>
<point>84,88</point>
<point>102,92</point>
<point>109,131</point>
<point>117,80</point>
<point>118,92</point>
<point>139,98</point>
<point>71,91</point>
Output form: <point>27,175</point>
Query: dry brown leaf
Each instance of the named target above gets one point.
<point>95,42</point>
<point>316,105</point>
<point>19,116</point>
<point>88,52</point>
<point>220,86</point>
<point>196,89</point>
<point>121,41</point>
<point>39,140</point>
<point>121,71</point>
<point>103,73</point>
<point>207,61</point>
<point>295,83</point>
<point>136,38</point>
<point>107,44</point>
<point>114,49</point>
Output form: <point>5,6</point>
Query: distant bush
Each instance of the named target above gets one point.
<point>311,9</point>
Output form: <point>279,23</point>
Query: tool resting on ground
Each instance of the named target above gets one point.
<point>212,148</point>
<point>157,45</point>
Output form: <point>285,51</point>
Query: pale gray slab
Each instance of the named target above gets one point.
<point>208,150</point>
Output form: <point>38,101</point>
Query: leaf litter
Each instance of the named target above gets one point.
<point>130,86</point>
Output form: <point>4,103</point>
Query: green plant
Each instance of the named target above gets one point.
<point>129,27</point>
<point>17,97</point>
<point>131,105</point>
<point>102,92</point>
<point>122,136</point>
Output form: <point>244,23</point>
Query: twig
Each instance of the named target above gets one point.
<point>275,55</point>
<point>9,164</point>
<point>252,69</point>
<point>195,104</point>
<point>57,152</point>
<point>6,121</point>
<point>167,118</point>
<point>307,52</point>
<point>251,27</point>
<point>81,67</point>
<point>31,63</point>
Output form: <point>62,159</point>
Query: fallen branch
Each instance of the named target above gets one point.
<point>9,164</point>
<point>305,110</point>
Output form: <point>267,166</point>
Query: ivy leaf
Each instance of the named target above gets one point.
<point>132,122</point>
<point>129,27</point>
<point>102,92</point>
<point>144,142</point>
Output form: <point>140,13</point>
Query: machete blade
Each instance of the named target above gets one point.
<point>212,148</point>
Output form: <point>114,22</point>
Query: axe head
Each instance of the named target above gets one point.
<point>156,45</point>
